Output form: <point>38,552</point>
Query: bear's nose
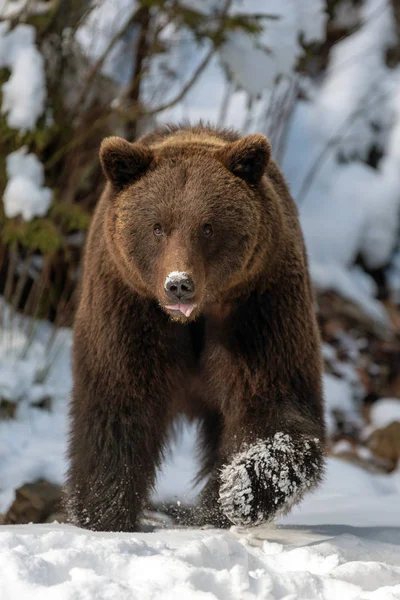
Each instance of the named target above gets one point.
<point>179,286</point>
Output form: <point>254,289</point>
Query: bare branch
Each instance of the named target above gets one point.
<point>138,110</point>
<point>289,104</point>
<point>133,113</point>
<point>333,141</point>
<point>223,111</point>
<point>100,61</point>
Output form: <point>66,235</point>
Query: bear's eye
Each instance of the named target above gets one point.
<point>158,230</point>
<point>207,230</point>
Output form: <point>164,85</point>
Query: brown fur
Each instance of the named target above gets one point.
<point>247,361</point>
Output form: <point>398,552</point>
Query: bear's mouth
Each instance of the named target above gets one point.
<point>180,307</point>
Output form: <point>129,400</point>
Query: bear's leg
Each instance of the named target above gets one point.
<point>114,453</point>
<point>208,510</point>
<point>209,444</point>
<point>263,476</point>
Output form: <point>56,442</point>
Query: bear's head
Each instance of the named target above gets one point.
<point>188,223</point>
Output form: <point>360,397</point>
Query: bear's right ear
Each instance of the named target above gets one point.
<point>247,158</point>
<point>122,162</point>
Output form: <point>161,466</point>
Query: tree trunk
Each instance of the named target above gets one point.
<point>141,52</point>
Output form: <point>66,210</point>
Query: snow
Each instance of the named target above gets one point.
<point>105,20</point>
<point>175,479</point>
<point>175,275</point>
<point>355,75</point>
<point>342,446</point>
<point>33,445</point>
<point>280,465</point>
<point>384,412</point>
<point>24,98</point>
<point>24,94</point>
<point>24,194</point>
<point>310,555</point>
<point>346,14</point>
<point>15,379</point>
<point>341,280</point>
<point>394,277</point>
<point>14,8</point>
<point>273,52</point>
<point>62,562</point>
<point>350,496</point>
<point>338,399</point>
<point>348,208</point>
<point>276,49</point>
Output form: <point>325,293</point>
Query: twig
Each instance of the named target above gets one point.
<point>99,62</point>
<point>249,116</point>
<point>138,110</point>
<point>375,14</point>
<point>265,121</point>
<point>333,140</point>
<point>285,120</point>
<point>58,155</point>
<point>82,19</point>
<point>132,114</point>
<point>22,279</point>
<point>226,100</point>
<point>203,64</point>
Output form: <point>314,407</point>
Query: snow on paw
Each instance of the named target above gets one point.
<point>268,477</point>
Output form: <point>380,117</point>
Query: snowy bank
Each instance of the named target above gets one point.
<point>55,562</point>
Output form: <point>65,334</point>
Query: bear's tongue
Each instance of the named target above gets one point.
<point>186,309</point>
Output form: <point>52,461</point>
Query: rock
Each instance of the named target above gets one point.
<point>385,443</point>
<point>34,503</point>
<point>377,467</point>
<point>374,358</point>
<point>7,409</point>
<point>59,516</point>
<point>336,313</point>
<point>393,311</point>
<point>394,387</point>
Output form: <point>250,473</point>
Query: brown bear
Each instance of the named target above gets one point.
<point>196,300</point>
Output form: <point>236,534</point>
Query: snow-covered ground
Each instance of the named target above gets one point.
<point>292,563</point>
<point>344,542</point>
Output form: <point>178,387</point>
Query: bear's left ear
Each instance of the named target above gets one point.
<point>122,162</point>
<point>247,158</point>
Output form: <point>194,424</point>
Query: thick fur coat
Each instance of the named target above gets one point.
<point>195,300</point>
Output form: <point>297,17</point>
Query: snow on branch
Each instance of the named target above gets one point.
<point>255,61</point>
<point>25,194</point>
<point>24,94</point>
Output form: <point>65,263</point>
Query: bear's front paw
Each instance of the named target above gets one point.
<point>268,477</point>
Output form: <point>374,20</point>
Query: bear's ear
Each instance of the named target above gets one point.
<point>247,158</point>
<point>122,162</point>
